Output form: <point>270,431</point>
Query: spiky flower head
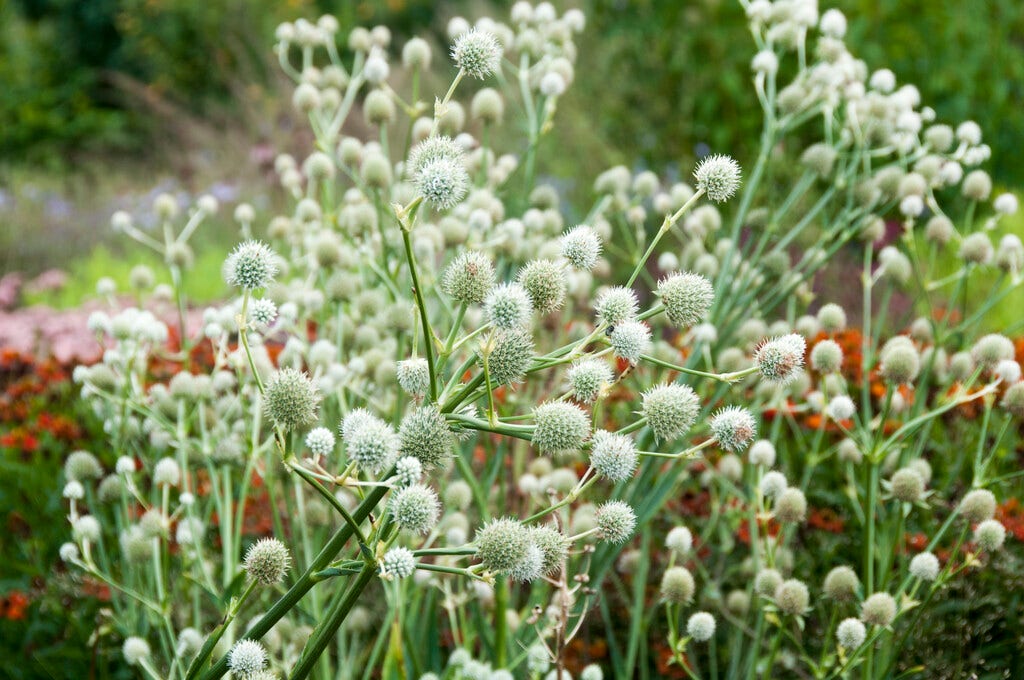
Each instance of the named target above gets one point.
<point>291,399</point>
<point>773,483</point>
<point>370,442</point>
<point>531,567</point>
<point>251,265</point>
<point>469,277</point>
<point>545,281</point>
<point>990,535</point>
<point>901,362</point>
<point>734,428</point>
<point>425,435</point>
<point>762,452</point>
<point>878,609</point>
<point>442,182</point>
<point>588,377</point>
<point>478,53</point>
<point>792,596</point>
<point>791,505</point>
<point>508,356</point>
<point>81,466</point>
<point>616,521</point>
<point>687,298</point>
<point>841,407</point>
<point>677,585</point>
<point>978,505</point>
<point>135,650</point>
<point>263,311</point>
<point>413,376</point>
<point>247,657</point>
<point>679,540</point>
<point>780,359</point>
<point>415,508</point>
<point>907,485</point>
<point>841,584</point>
<point>560,426</point>
<point>320,441</point>
<point>670,409</point>
<point>615,305</point>
<point>581,246</point>
<point>827,356</point>
<point>398,562</point>
<point>718,177</point>
<point>630,340</point>
<point>851,633</point>
<point>613,455</point>
<point>701,626</point>
<point>553,546</point>
<point>767,581</point>
<point>267,561</point>
<point>1013,399</point>
<point>593,671</point>
<point>502,544</point>
<point>438,147</point>
<point>408,470</point>
<point>990,349</point>
<point>508,306</point>
<point>925,566</point>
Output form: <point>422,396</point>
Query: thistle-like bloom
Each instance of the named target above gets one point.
<point>553,546</point>
<point>900,361</point>
<point>247,658</point>
<point>560,426</point>
<point>701,626</point>
<point>263,312</point>
<point>478,53</point>
<point>415,508</point>
<point>587,377</point>
<point>791,506</point>
<point>370,442</point>
<point>291,399</point>
<point>687,298</point>
<point>408,470</point>
<point>878,610</point>
<point>398,563</point>
<point>718,176</point>
<point>613,455</point>
<point>81,466</point>
<point>827,356</point>
<point>616,521</point>
<point>670,410</point>
<point>442,182</point>
<point>925,566</point>
<point>413,376</point>
<point>978,506</point>
<point>841,584</point>
<point>851,634</point>
<point>509,355</point>
<point>135,650</point>
<point>780,359</point>
<point>630,340</point>
<point>250,265</point>
<point>792,596</point>
<point>615,305</point>
<point>907,485</point>
<point>502,544</point>
<point>734,428</point>
<point>679,540</point>
<point>508,306</point>
<point>320,441</point>
<point>267,561</point>
<point>438,147</point>
<point>545,281</point>
<point>677,585</point>
<point>581,246</point>
<point>990,535</point>
<point>469,277</point>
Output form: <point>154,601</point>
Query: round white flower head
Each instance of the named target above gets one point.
<point>780,359</point>
<point>718,177</point>
<point>687,298</point>
<point>250,265</point>
<point>670,409</point>
<point>469,277</point>
<point>246,658</point>
<point>925,566</point>
<point>74,490</point>
<point>413,376</point>
<point>1005,204</point>
<point>442,182</point>
<point>827,356</point>
<point>613,455</point>
<point>291,399</point>
<point>587,377</point>
<point>408,470</point>
<point>593,671</point>
<point>478,53</point>
<point>166,472</point>
<point>615,305</point>
<point>679,540</point>
<point>263,312</point>
<point>762,452</point>
<point>508,356</point>
<point>581,246</point>
<point>81,466</point>
<point>69,552</point>
<point>502,544</point>
<point>425,435</point>
<point>86,528</point>
<point>878,609</point>
<point>990,535</point>
<point>369,441</point>
<point>791,505</point>
<point>135,649</point>
<point>267,561</point>
<point>616,521</point>
<point>851,633</point>
<point>630,340</point>
<point>978,505</point>
<point>545,281</point>
<point>701,626</point>
<point>773,483</point>
<point>320,441</point>
<point>415,508</point>
<point>398,563</point>
<point>734,428</point>
<point>508,306</point>
<point>765,61</point>
<point>560,426</point>
<point>439,147</point>
<point>841,407</point>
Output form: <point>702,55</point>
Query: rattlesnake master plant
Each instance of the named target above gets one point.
<point>424,432</point>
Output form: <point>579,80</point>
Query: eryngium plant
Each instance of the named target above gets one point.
<point>453,411</point>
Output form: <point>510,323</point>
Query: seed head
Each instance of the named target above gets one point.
<point>370,442</point>
<point>247,657</point>
<point>545,282</point>
<point>718,176</point>
<point>878,610</point>
<point>415,508</point>
<point>613,455</point>
<point>978,506</point>
<point>413,376</point>
<point>581,246</point>
<point>251,265</point>
<point>616,521</point>
<point>792,597</point>
<point>560,426</point>
<point>791,506</point>
<point>780,359</point>
<point>687,298</point>
<point>469,277</point>
<point>588,377</point>
<point>907,485</point>
<point>616,305</point>
<point>851,634</point>
<point>553,546</point>
<point>630,340</point>
<point>670,409</point>
<point>478,53</point>
<point>442,182</point>
<point>425,435</point>
<point>677,585</point>
<point>990,535</point>
<point>734,428</point>
<point>398,563</point>
<point>502,544</point>
<point>701,626</point>
<point>509,306</point>
<point>291,399</point>
<point>925,566</point>
<point>841,584</point>
<point>267,561</point>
